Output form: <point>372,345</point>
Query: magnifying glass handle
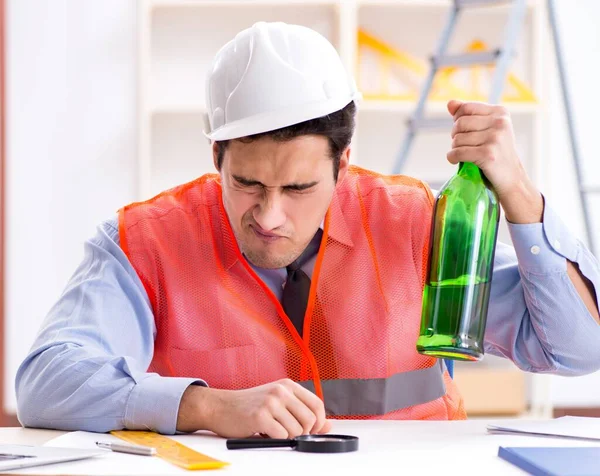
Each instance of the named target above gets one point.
<point>246,443</point>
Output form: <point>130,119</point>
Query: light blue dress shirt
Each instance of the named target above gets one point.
<point>87,367</point>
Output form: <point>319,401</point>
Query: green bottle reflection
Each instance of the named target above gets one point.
<point>461,259</point>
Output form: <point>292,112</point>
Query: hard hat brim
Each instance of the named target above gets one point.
<point>274,120</point>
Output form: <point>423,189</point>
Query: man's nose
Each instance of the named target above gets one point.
<point>269,214</point>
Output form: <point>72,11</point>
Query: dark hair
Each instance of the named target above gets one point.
<point>337,127</point>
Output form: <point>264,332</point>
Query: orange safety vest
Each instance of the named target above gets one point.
<point>217,320</point>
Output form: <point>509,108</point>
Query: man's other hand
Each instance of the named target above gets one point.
<point>282,409</point>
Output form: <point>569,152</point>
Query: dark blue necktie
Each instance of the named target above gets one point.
<point>295,294</point>
<point>297,285</point>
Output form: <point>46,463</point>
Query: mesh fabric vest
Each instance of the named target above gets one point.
<point>218,321</point>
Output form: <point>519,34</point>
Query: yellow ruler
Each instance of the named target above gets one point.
<point>170,450</point>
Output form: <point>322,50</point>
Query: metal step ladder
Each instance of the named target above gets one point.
<point>583,188</point>
<point>501,58</point>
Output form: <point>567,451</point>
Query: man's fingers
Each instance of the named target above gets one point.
<point>273,429</point>
<point>315,405</point>
<point>471,138</point>
<point>289,421</point>
<point>472,124</point>
<point>475,109</point>
<point>453,106</point>
<point>326,428</point>
<point>461,154</point>
<point>467,153</point>
<point>303,414</point>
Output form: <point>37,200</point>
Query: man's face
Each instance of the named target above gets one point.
<point>276,195</point>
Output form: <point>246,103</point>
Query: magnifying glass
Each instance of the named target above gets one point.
<point>304,443</point>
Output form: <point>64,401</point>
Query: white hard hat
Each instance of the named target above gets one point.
<point>274,75</point>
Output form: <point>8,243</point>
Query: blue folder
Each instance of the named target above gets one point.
<point>563,461</point>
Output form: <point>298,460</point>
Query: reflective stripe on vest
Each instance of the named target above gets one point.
<point>377,396</point>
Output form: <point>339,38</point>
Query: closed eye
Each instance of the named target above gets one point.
<point>245,183</point>
<point>300,187</point>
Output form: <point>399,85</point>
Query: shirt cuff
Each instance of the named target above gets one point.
<point>154,403</point>
<point>544,247</point>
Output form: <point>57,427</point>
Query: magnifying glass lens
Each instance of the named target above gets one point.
<point>323,439</point>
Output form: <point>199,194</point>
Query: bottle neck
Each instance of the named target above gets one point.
<point>470,170</point>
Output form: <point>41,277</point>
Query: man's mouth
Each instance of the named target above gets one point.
<point>265,235</point>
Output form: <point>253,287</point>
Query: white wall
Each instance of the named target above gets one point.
<point>70,147</point>
<point>580,38</point>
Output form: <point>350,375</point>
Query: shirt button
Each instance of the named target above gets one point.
<point>535,250</point>
<point>556,244</point>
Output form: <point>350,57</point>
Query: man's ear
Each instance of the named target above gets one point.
<point>344,163</point>
<point>215,152</point>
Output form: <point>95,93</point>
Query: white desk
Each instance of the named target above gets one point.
<point>386,447</point>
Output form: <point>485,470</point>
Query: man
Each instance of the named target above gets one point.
<point>287,288</point>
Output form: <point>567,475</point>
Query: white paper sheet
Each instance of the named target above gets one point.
<point>565,427</point>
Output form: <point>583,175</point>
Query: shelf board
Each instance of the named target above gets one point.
<point>239,3</point>
<point>406,3</point>
<point>297,3</point>
<point>437,107</point>
<point>436,3</point>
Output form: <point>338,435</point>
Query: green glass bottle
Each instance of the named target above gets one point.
<point>461,258</point>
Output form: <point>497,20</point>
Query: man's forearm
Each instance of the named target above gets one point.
<point>524,204</point>
<point>195,409</point>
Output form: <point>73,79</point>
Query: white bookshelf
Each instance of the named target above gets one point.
<point>179,38</point>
